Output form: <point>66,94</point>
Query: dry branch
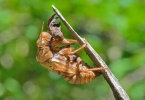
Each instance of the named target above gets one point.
<point>117,89</point>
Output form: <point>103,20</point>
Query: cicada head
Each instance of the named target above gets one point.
<point>44,39</point>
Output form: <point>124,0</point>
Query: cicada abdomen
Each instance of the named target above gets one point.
<point>71,67</point>
<point>82,74</point>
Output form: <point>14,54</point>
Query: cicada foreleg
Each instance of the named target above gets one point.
<point>44,54</point>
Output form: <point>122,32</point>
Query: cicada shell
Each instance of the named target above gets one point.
<point>63,60</point>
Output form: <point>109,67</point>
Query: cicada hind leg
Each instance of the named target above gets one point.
<point>88,75</point>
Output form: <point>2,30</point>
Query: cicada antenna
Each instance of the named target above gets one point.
<point>42,28</point>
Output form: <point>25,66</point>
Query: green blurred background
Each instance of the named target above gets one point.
<point>115,28</point>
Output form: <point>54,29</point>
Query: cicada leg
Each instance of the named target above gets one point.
<point>69,41</point>
<point>93,69</point>
<point>69,52</point>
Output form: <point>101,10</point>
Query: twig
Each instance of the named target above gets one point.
<point>118,91</point>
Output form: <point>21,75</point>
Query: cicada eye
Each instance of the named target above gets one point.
<point>41,42</point>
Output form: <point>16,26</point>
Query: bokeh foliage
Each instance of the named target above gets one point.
<point>115,28</point>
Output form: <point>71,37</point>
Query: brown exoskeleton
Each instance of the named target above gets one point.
<point>63,60</point>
